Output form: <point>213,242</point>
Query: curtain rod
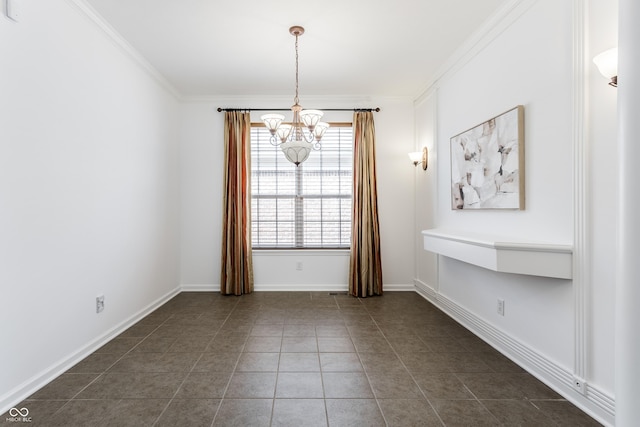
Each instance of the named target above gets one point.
<point>377,109</point>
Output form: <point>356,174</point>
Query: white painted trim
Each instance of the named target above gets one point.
<point>300,288</point>
<point>301,252</point>
<point>594,402</point>
<point>207,287</point>
<point>502,19</point>
<point>120,42</point>
<point>44,377</point>
<point>398,287</point>
<point>581,185</point>
<point>295,288</point>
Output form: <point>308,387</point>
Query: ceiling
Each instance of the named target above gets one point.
<point>243,48</point>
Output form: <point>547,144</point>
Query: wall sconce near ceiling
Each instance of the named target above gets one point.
<point>420,157</point>
<point>607,63</point>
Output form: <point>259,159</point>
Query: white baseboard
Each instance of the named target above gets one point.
<point>300,288</point>
<point>200,288</point>
<point>39,380</point>
<point>594,402</point>
<point>294,288</point>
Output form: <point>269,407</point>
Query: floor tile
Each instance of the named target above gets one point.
<point>299,385</point>
<point>95,363</point>
<point>258,362</point>
<point>565,414</point>
<point>110,385</point>
<point>299,330</point>
<point>300,362</point>
<point>82,413</point>
<point>354,413</point>
<point>267,330</point>
<point>253,385</point>
<point>340,362</point>
<point>156,385</point>
<point>394,385</point>
<point>216,362</point>
<point>408,413</point>
<point>299,344</point>
<point>381,362</point>
<point>442,386</point>
<point>517,413</point>
<point>65,386</point>
<point>463,413</point>
<point>372,345</point>
<point>263,344</point>
<point>341,385</point>
<point>335,345</point>
<point>244,412</point>
<point>332,331</point>
<point>134,412</point>
<point>231,343</point>
<point>154,344</point>
<point>189,344</point>
<point>119,345</point>
<point>491,386</point>
<point>204,385</point>
<point>301,359</point>
<point>531,387</point>
<point>299,412</point>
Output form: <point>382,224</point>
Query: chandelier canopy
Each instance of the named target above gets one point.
<point>304,133</point>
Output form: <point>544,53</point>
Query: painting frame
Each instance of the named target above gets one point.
<point>487,164</point>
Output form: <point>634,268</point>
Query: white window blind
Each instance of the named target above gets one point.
<point>308,206</point>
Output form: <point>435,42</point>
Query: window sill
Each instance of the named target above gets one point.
<point>301,252</point>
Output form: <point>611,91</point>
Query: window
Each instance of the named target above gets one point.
<point>308,206</point>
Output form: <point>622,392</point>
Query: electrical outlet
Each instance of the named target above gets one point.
<point>99,303</point>
<point>579,385</point>
<point>500,307</point>
<point>299,265</point>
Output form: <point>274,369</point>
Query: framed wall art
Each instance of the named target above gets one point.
<point>487,164</point>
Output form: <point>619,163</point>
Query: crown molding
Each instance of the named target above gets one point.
<point>120,42</point>
<point>497,23</point>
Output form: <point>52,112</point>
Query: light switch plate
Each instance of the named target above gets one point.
<point>12,9</point>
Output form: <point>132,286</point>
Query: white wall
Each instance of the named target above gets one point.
<point>521,64</point>
<point>88,192</point>
<point>603,34</point>
<point>202,152</point>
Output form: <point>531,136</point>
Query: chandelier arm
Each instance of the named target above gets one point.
<point>274,140</point>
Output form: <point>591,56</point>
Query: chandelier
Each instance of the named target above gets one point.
<point>304,133</point>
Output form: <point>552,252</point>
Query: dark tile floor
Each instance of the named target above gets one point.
<point>298,359</point>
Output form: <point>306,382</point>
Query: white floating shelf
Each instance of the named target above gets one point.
<point>502,254</point>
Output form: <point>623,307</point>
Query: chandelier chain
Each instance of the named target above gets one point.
<point>296,99</point>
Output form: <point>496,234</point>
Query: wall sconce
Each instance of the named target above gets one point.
<point>607,63</point>
<point>420,157</point>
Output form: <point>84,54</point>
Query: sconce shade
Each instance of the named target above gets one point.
<point>416,157</point>
<point>420,157</point>
<point>607,63</point>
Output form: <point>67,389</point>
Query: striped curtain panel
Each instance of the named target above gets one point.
<point>365,272</point>
<point>237,262</point>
